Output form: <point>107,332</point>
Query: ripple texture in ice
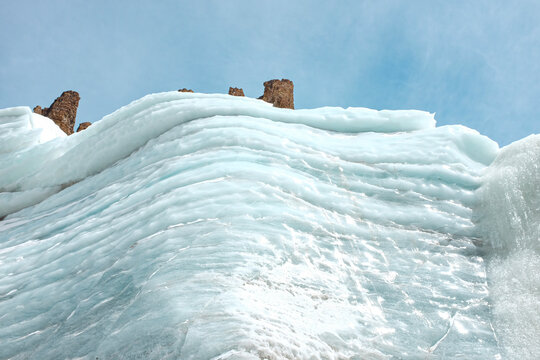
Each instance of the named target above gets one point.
<point>190,226</point>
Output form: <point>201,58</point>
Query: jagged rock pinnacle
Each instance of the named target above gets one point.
<point>83,126</point>
<point>279,92</point>
<point>236,91</point>
<point>62,111</point>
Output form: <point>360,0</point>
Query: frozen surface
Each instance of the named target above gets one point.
<point>193,226</point>
<point>49,130</point>
<point>510,221</point>
<point>20,128</point>
<point>59,163</point>
<point>20,131</point>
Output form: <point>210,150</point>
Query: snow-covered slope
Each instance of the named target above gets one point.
<point>193,226</point>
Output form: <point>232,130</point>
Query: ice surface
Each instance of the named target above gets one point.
<point>510,222</point>
<point>49,130</point>
<point>20,128</point>
<point>56,164</point>
<point>198,226</point>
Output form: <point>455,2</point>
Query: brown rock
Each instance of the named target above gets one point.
<point>83,126</point>
<point>63,110</point>
<point>236,91</point>
<point>279,92</point>
<point>185,90</point>
<point>38,110</point>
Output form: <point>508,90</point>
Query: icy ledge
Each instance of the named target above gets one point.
<point>31,170</point>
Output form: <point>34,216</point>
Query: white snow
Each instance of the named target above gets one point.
<point>20,129</point>
<point>198,226</point>
<point>49,130</point>
<point>20,132</point>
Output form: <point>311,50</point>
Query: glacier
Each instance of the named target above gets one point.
<point>207,226</point>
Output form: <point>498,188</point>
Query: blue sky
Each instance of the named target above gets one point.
<point>475,63</point>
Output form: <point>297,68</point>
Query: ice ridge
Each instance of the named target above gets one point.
<point>45,169</point>
<point>194,226</point>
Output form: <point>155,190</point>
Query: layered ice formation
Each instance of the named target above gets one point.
<point>195,226</point>
<point>510,222</point>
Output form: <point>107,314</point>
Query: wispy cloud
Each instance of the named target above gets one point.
<point>475,63</point>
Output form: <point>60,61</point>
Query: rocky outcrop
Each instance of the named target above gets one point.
<point>38,110</point>
<point>83,126</point>
<point>62,111</point>
<point>236,91</point>
<point>279,92</point>
<point>185,90</point>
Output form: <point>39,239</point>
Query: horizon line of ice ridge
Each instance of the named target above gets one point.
<point>48,166</point>
<point>338,119</point>
<point>51,164</point>
<point>377,164</point>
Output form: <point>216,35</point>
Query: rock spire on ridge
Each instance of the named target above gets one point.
<point>62,111</point>
<point>83,126</point>
<point>279,92</point>
<point>236,91</point>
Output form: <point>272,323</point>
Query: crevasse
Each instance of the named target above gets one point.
<point>195,226</point>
